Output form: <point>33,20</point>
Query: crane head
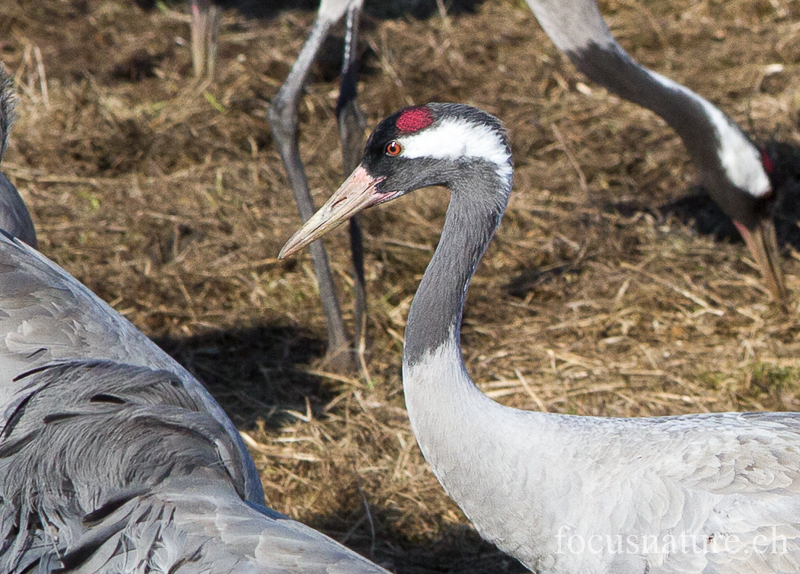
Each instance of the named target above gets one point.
<point>413,148</point>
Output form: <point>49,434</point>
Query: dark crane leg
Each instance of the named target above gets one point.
<point>284,125</point>
<point>351,131</point>
<point>206,18</point>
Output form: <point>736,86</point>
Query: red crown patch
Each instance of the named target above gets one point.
<point>414,119</point>
<point>766,161</point>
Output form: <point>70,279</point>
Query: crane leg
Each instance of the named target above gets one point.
<point>206,20</point>
<point>351,130</point>
<point>283,121</point>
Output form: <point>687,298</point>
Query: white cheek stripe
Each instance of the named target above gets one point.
<point>453,139</point>
<point>740,158</point>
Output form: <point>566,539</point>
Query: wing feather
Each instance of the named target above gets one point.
<point>47,317</point>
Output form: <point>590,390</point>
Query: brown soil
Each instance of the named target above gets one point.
<point>613,287</point>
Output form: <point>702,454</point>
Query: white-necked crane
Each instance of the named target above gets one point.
<point>14,215</point>
<point>113,458</point>
<point>710,493</point>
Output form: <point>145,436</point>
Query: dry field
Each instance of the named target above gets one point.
<point>613,288</point>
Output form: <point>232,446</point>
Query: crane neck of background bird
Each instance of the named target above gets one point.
<point>714,142</point>
<point>723,153</point>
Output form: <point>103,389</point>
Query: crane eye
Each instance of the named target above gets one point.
<point>393,148</point>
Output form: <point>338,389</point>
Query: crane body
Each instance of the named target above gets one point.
<point>708,493</point>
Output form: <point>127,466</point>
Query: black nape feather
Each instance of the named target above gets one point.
<point>785,178</point>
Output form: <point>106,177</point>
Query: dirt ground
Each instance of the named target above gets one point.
<point>613,287</point>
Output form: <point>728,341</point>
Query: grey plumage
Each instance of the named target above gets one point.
<point>115,459</point>
<point>47,317</point>
<point>8,104</point>
<point>14,216</point>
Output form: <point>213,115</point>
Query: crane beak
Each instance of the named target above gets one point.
<point>763,244</point>
<point>357,193</point>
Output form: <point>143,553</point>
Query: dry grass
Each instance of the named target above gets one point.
<point>599,295</point>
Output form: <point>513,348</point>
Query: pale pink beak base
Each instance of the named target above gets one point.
<point>356,194</point>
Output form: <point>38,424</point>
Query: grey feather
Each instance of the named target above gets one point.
<point>46,316</point>
<point>115,459</point>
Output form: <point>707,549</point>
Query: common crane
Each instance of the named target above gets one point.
<point>707,493</point>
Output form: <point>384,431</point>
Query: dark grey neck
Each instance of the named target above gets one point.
<point>610,66</point>
<point>577,29</point>
<point>707,132</point>
<point>477,203</point>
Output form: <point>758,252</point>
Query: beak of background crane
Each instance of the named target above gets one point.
<point>357,193</point>
<point>763,244</point>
